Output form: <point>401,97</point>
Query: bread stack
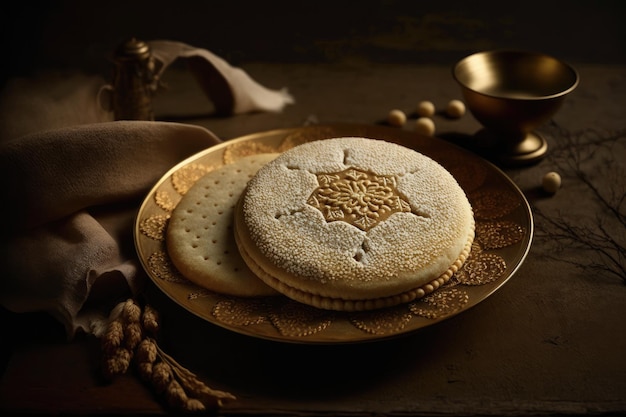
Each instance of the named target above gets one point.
<point>341,224</point>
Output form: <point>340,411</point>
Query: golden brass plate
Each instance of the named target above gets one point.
<point>504,230</point>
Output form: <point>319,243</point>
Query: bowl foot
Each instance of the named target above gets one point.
<point>499,149</point>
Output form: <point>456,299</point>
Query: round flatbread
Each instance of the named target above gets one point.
<point>199,236</point>
<point>354,224</point>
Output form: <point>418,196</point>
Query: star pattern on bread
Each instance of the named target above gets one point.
<point>360,198</point>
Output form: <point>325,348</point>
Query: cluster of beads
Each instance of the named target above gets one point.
<point>425,124</point>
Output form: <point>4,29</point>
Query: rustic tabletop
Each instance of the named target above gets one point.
<point>549,341</point>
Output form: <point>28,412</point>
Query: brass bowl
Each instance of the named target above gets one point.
<point>511,93</point>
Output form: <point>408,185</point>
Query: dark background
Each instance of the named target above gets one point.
<point>71,34</point>
<point>83,34</point>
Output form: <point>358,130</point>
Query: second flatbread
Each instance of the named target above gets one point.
<point>200,239</point>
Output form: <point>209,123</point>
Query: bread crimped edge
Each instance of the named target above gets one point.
<point>329,303</point>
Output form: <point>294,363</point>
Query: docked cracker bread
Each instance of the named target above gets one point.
<point>353,224</point>
<point>199,236</point>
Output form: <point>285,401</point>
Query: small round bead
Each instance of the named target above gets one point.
<point>551,182</point>
<point>396,118</point>
<point>426,109</point>
<point>425,126</point>
<point>455,108</point>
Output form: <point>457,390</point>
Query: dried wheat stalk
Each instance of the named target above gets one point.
<point>130,338</point>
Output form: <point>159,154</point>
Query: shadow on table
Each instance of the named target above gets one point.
<point>303,372</point>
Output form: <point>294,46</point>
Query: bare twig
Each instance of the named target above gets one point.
<point>589,158</point>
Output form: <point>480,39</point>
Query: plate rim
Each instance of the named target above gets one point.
<point>525,243</point>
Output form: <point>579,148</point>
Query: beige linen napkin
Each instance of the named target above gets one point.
<point>230,88</point>
<point>69,198</point>
<point>72,180</point>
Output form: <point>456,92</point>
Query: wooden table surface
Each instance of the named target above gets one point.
<point>551,341</point>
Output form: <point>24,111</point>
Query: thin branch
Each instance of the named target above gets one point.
<point>578,155</point>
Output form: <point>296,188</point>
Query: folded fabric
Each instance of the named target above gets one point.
<point>70,196</point>
<point>230,88</point>
<point>72,180</point>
